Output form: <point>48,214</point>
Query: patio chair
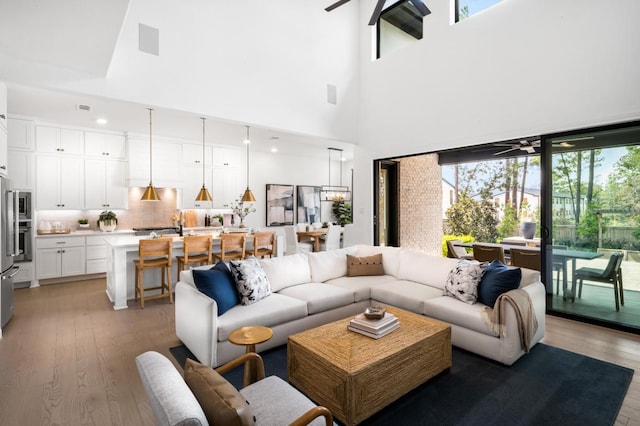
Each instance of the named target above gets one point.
<point>457,252</point>
<point>612,274</point>
<point>525,258</point>
<point>488,253</point>
<point>558,266</point>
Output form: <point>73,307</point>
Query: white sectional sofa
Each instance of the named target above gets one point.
<point>311,290</point>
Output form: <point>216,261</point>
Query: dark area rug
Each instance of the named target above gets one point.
<point>550,386</point>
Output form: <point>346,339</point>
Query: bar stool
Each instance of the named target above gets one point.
<point>264,244</point>
<point>197,251</point>
<point>154,253</point>
<point>232,246</point>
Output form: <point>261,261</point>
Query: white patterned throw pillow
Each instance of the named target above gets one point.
<point>462,282</point>
<point>251,280</point>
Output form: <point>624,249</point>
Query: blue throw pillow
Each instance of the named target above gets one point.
<point>218,284</point>
<point>498,278</point>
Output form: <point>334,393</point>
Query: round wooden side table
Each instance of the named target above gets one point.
<point>250,336</point>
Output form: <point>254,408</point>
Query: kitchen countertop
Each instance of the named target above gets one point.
<point>128,232</point>
<point>87,233</point>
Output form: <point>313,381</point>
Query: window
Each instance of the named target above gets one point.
<point>398,25</point>
<point>467,8</point>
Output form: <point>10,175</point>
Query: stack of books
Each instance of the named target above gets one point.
<point>374,328</point>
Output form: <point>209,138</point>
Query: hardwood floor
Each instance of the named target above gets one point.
<point>67,358</point>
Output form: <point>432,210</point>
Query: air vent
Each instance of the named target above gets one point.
<point>81,107</point>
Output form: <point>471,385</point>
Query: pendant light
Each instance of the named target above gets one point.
<point>335,193</point>
<point>203,195</point>
<point>150,194</point>
<point>248,195</point>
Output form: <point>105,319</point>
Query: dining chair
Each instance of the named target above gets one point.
<point>153,253</point>
<point>331,239</point>
<point>488,253</point>
<point>612,274</point>
<point>264,244</point>
<point>457,252</point>
<point>348,235</point>
<point>524,258</point>
<point>232,246</point>
<point>197,250</point>
<point>292,245</point>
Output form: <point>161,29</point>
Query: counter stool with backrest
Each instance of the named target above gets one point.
<point>612,274</point>
<point>232,246</point>
<point>152,254</point>
<point>488,253</point>
<point>197,251</point>
<point>264,244</point>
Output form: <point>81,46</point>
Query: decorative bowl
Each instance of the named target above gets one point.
<point>374,312</point>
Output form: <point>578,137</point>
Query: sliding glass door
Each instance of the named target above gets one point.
<point>591,219</point>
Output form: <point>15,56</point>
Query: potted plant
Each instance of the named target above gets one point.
<point>83,223</point>
<point>219,220</point>
<point>107,221</point>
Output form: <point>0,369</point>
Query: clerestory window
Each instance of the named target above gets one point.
<point>398,26</point>
<point>467,8</point>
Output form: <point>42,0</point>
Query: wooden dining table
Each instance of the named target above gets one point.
<point>559,255</point>
<point>313,234</point>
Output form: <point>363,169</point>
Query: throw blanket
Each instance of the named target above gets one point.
<point>527,322</point>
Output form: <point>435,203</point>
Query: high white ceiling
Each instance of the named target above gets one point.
<point>80,36</point>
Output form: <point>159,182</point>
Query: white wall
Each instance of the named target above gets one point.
<point>265,63</point>
<point>519,68</point>
<point>522,67</point>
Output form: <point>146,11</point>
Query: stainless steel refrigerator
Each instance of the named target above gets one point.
<point>9,247</point>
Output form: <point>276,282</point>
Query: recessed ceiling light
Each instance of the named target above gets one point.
<point>274,149</point>
<point>102,121</point>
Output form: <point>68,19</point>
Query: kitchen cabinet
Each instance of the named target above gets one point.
<point>167,162</point>
<point>3,130</point>
<point>22,169</point>
<point>97,253</point>
<point>54,140</point>
<point>226,186</point>
<point>191,185</point>
<point>59,183</point>
<point>105,145</point>
<point>60,257</point>
<point>105,185</point>
<point>227,156</point>
<point>3,106</point>
<point>4,152</point>
<point>21,134</point>
<point>192,155</point>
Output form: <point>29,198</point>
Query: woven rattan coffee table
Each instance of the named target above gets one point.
<point>356,376</point>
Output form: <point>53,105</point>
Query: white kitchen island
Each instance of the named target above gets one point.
<point>123,250</point>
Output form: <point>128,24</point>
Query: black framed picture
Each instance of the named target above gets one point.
<point>279,205</point>
<point>308,204</point>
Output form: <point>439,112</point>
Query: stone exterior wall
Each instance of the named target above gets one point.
<point>420,184</point>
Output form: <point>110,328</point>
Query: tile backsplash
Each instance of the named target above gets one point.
<point>139,214</point>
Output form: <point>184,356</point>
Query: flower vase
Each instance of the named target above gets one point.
<point>242,225</point>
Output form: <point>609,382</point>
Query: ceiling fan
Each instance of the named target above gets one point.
<point>418,4</point>
<point>526,145</point>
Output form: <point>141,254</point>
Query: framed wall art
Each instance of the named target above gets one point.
<point>279,205</point>
<point>308,204</point>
